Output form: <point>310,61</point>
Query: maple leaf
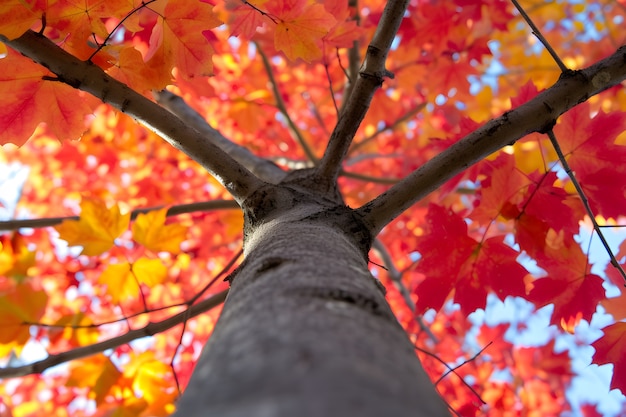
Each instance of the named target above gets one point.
<point>574,298</point>
<point>610,348</point>
<point>27,100</point>
<point>122,280</point>
<point>243,18</point>
<point>178,39</point>
<point>148,375</point>
<point>464,265</point>
<point>300,28</point>
<point>22,304</point>
<point>149,229</point>
<point>17,16</point>
<point>98,373</point>
<point>97,228</point>
<point>589,146</point>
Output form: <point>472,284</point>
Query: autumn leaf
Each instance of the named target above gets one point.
<point>27,100</point>
<point>610,348</point>
<point>98,373</point>
<point>22,304</point>
<point>589,146</point>
<point>179,40</point>
<point>148,375</point>
<point>97,228</point>
<point>458,262</point>
<point>122,280</point>
<point>17,16</point>
<point>149,229</point>
<point>300,28</point>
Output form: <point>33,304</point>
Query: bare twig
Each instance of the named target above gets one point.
<point>84,75</point>
<point>537,115</point>
<point>371,76</point>
<point>396,278</point>
<point>172,211</point>
<point>354,58</point>
<point>539,36</point>
<point>280,103</point>
<point>81,352</point>
<point>585,202</point>
<point>404,118</point>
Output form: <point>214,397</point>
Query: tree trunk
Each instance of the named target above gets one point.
<point>305,330</point>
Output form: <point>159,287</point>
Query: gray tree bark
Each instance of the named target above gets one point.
<point>305,329</point>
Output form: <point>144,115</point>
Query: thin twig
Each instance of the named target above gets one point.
<point>149,330</point>
<point>396,278</point>
<point>172,211</point>
<point>280,103</point>
<point>354,58</point>
<point>585,202</point>
<point>369,178</point>
<point>539,36</point>
<point>399,121</point>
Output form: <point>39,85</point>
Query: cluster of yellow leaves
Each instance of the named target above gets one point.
<point>96,231</point>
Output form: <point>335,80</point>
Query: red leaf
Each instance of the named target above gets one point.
<point>610,348</point>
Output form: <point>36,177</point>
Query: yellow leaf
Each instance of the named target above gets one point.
<point>97,228</point>
<point>122,280</point>
<point>119,281</point>
<point>150,230</point>
<point>149,271</point>
<point>149,375</point>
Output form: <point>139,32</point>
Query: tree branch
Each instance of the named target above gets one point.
<point>172,211</point>
<point>149,330</point>
<point>261,167</point>
<point>90,78</point>
<point>280,103</point>
<point>371,76</point>
<point>537,115</point>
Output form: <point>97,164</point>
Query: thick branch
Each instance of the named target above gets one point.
<point>88,77</point>
<point>261,167</point>
<point>148,330</point>
<point>370,78</point>
<point>538,115</point>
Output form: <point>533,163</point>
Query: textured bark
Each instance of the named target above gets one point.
<point>306,330</point>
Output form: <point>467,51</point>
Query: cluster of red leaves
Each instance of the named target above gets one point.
<point>469,236</point>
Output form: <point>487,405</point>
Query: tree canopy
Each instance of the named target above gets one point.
<point>110,235</point>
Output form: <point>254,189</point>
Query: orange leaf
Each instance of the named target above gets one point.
<point>97,228</point>
<point>122,280</point>
<point>17,16</point>
<point>27,100</point>
<point>150,230</point>
<point>98,373</point>
<point>300,28</point>
<point>23,304</point>
<point>179,40</point>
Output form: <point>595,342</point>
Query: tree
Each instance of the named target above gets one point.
<point>362,142</point>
